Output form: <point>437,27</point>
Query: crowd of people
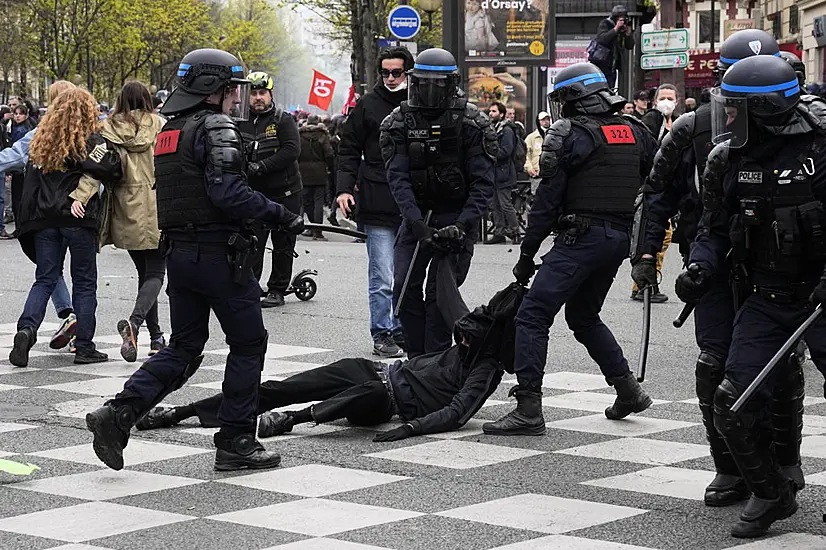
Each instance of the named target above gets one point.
<point>194,191</point>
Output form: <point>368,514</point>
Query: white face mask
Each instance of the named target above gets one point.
<point>666,106</point>
<point>399,88</point>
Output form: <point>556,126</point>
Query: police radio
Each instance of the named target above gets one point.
<point>751,211</point>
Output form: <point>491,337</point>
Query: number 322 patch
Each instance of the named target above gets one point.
<point>618,134</point>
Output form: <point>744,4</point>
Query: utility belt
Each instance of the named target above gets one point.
<point>383,372</point>
<point>789,294</point>
<point>239,250</point>
<point>574,225</point>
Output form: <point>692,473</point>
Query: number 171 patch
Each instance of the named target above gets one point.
<point>618,134</point>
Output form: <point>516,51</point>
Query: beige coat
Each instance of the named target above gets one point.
<point>534,144</point>
<point>132,220</point>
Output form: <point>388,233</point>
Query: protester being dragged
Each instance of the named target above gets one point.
<point>130,213</point>
<point>66,146</point>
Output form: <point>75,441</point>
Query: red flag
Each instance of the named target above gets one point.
<point>321,92</point>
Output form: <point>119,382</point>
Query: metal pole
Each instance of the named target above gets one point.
<point>712,25</point>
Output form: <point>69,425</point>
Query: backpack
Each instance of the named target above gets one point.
<point>598,54</point>
<point>520,151</point>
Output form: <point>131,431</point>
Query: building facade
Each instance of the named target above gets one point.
<point>813,37</point>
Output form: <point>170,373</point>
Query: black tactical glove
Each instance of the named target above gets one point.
<point>644,272</point>
<point>254,169</point>
<point>819,293</point>
<point>450,238</point>
<point>693,284</point>
<point>423,232</point>
<point>397,434</point>
<point>524,269</point>
<point>292,223</point>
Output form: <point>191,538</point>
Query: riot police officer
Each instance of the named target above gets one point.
<point>763,192</point>
<point>592,165</point>
<point>203,198</point>
<point>674,187</point>
<point>439,153</point>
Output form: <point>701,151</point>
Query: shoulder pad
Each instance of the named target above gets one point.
<point>394,122</point>
<point>711,183</point>
<point>475,117</point>
<point>668,156</point>
<point>224,144</point>
<point>816,108</point>
<point>552,147</point>
<point>219,120</point>
<point>479,121</point>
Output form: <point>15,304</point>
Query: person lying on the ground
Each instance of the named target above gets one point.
<point>431,393</point>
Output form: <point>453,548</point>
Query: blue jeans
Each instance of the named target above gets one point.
<point>380,240</point>
<point>50,249</point>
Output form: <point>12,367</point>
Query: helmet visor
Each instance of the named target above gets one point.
<point>240,93</point>
<point>729,119</point>
<point>431,91</point>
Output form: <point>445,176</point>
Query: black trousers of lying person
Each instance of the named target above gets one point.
<point>431,393</point>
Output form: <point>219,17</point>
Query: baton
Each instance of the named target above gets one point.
<point>683,316</point>
<point>646,331</point>
<point>334,229</point>
<point>790,343</point>
<point>410,269</point>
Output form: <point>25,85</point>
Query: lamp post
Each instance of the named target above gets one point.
<point>430,6</point>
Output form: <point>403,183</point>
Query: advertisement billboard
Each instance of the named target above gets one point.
<point>509,85</point>
<point>504,32</point>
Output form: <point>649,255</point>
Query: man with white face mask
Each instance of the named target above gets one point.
<point>363,192</point>
<point>659,118</point>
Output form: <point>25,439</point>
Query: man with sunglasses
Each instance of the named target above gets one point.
<point>273,170</point>
<point>363,192</point>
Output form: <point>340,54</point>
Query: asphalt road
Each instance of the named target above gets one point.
<point>589,483</point>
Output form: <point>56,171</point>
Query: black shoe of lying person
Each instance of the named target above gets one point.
<point>159,417</point>
<point>274,423</point>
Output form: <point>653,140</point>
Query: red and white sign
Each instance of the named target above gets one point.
<point>321,92</point>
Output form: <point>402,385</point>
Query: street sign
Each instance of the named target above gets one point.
<point>668,40</point>
<point>678,60</point>
<point>404,22</point>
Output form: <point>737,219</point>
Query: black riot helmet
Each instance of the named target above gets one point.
<point>582,88</point>
<point>434,80</point>
<point>202,73</point>
<point>796,64</point>
<point>761,88</point>
<point>743,44</point>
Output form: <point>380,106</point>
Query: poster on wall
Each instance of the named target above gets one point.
<point>506,32</point>
<point>506,84</point>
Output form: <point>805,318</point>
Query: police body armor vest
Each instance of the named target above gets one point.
<point>179,177</point>
<point>610,179</point>
<point>437,157</point>
<point>781,227</point>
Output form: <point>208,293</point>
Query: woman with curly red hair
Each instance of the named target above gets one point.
<point>65,147</point>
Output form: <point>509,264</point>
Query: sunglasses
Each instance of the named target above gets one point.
<point>396,73</point>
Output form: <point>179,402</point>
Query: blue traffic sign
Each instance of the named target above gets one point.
<point>404,22</point>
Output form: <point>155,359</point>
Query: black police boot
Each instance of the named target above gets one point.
<point>630,397</point>
<point>242,452</point>
<point>526,419</point>
<point>496,239</point>
<point>748,436</point>
<point>787,419</point>
<point>159,417</point>
<point>658,297</point>
<point>110,425</point>
<point>728,486</point>
<point>24,341</point>
<point>275,423</point>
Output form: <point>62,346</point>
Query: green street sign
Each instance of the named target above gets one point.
<point>668,40</point>
<point>655,61</point>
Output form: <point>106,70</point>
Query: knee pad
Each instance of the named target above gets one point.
<point>256,348</point>
<point>726,421</point>
<point>709,374</point>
